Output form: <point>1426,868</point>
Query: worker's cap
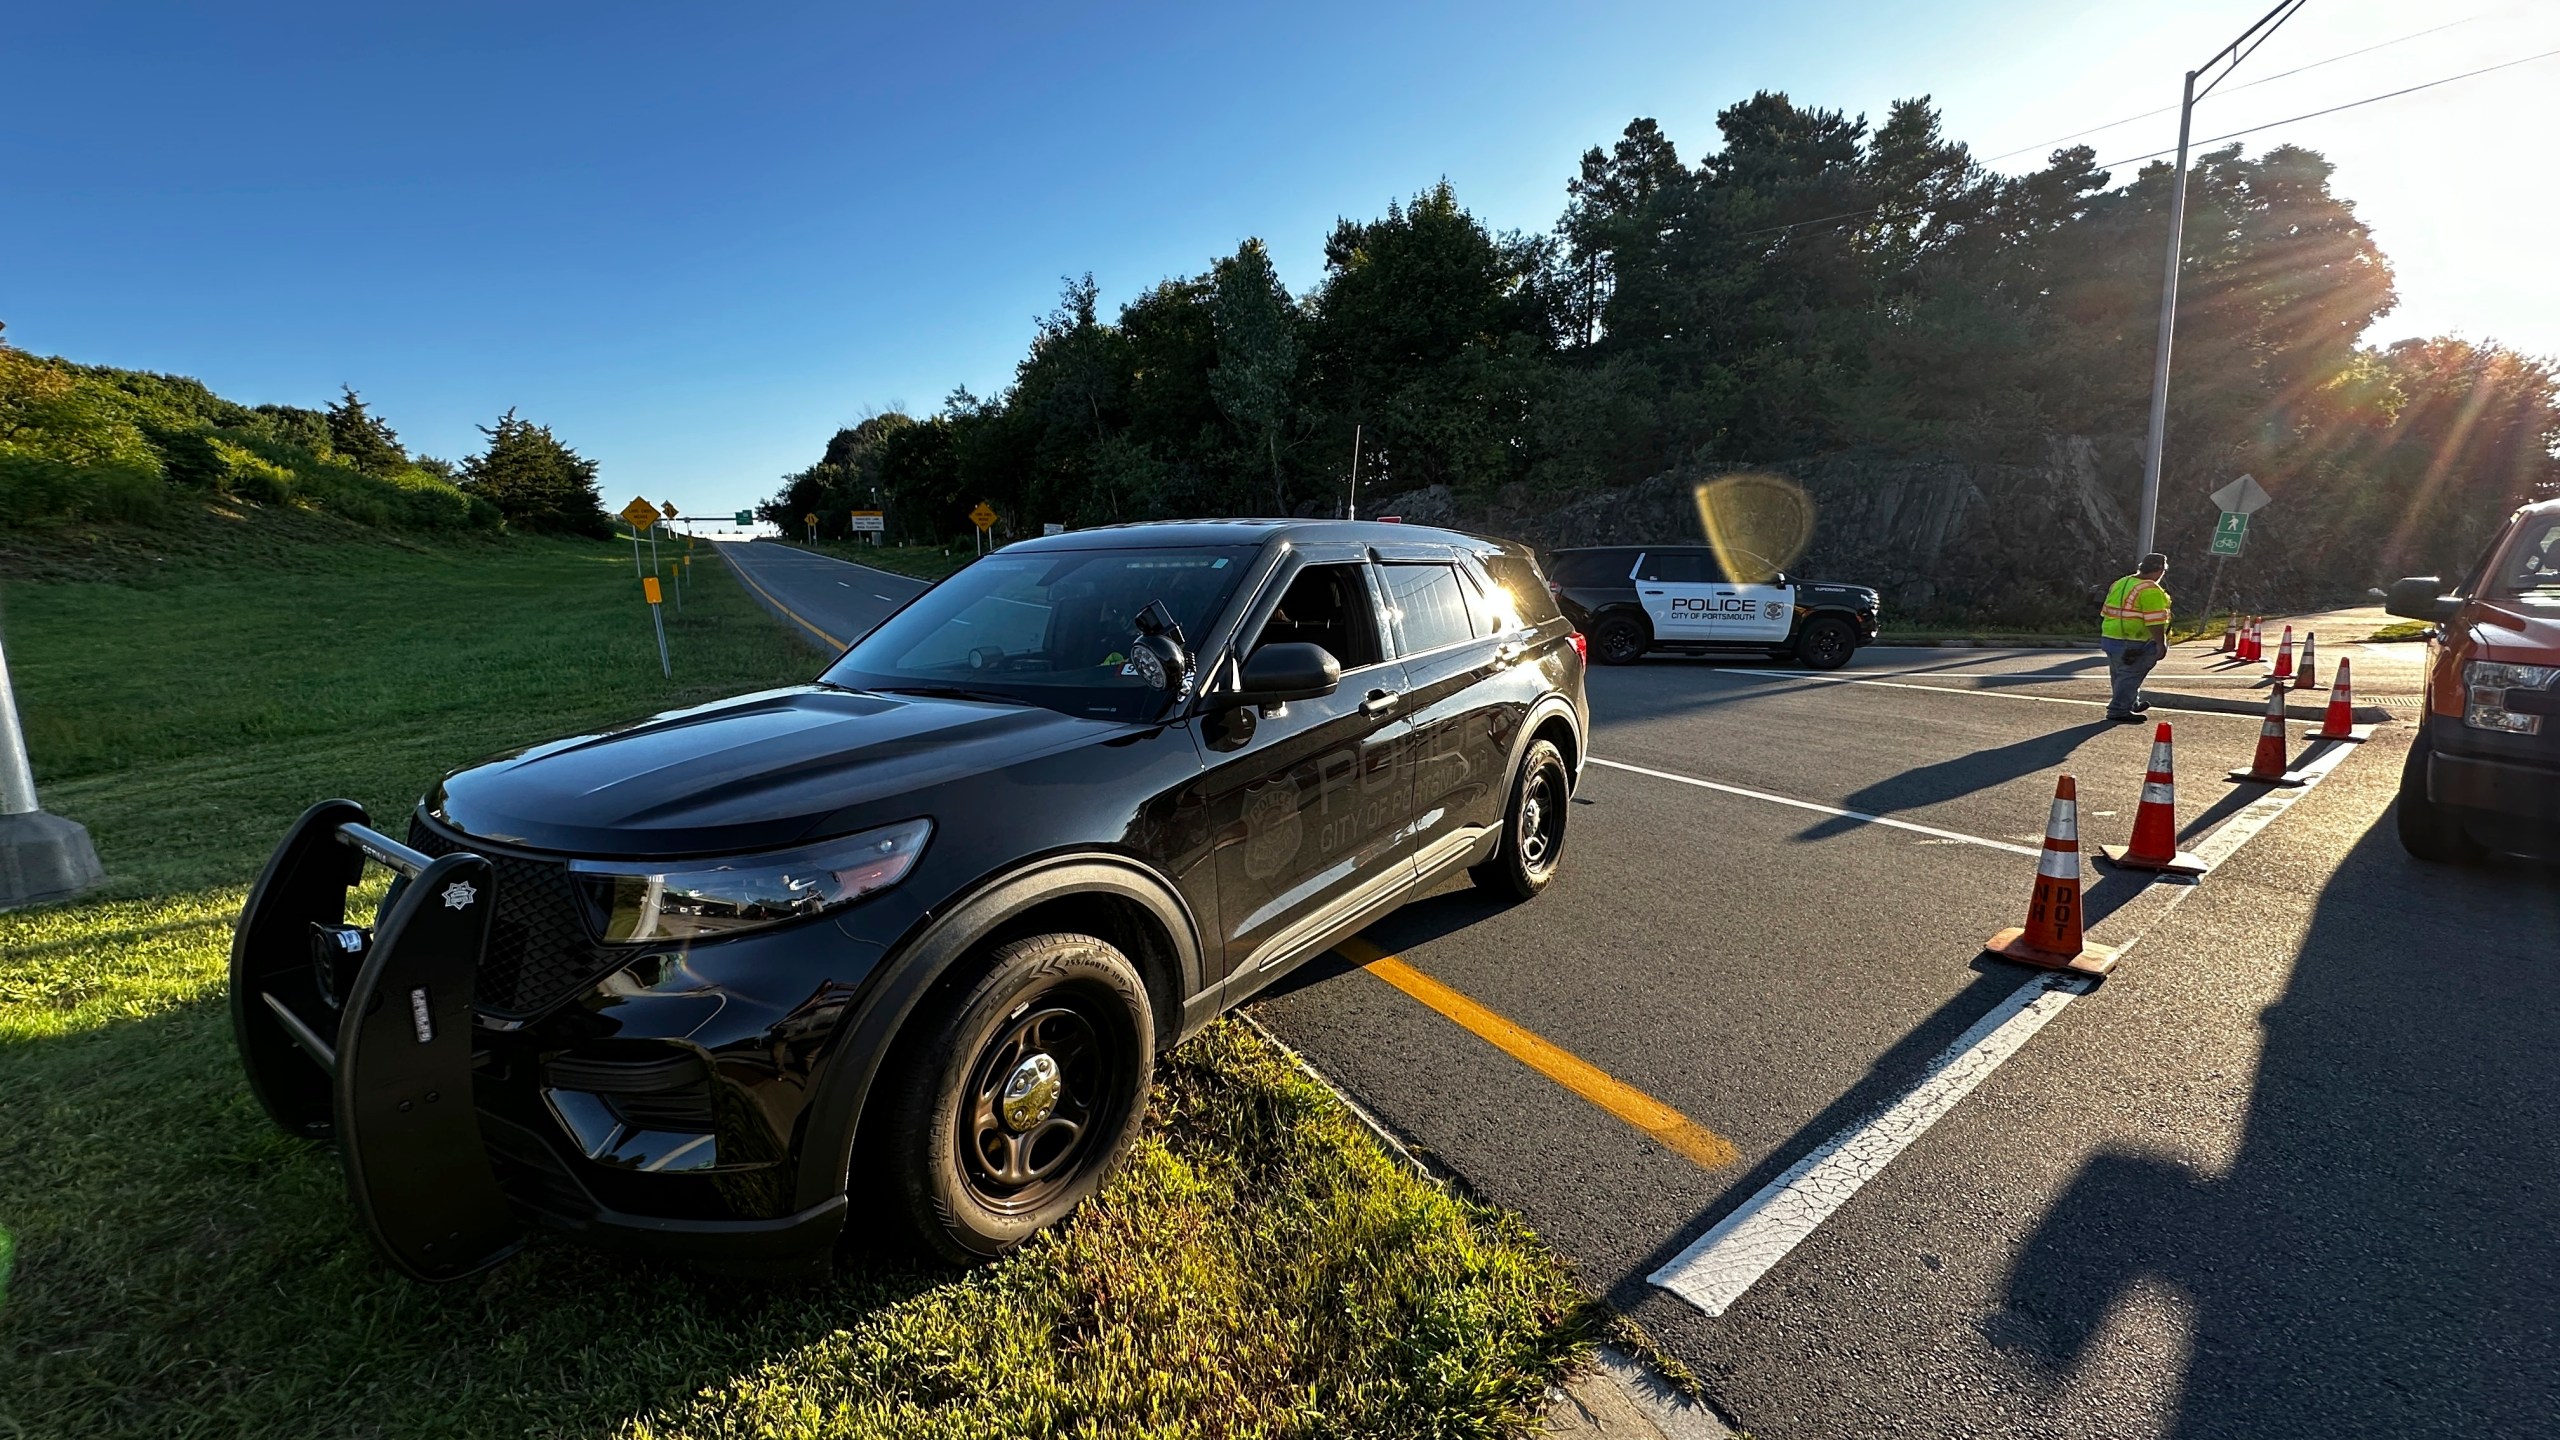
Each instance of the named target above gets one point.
<point>2155,561</point>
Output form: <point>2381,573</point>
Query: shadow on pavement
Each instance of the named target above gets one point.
<point>1924,785</point>
<point>2382,1256</point>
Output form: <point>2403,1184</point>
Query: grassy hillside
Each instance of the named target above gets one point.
<point>93,443</point>
<point>182,1269</point>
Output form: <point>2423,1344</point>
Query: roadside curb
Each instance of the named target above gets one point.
<point>1617,1398</point>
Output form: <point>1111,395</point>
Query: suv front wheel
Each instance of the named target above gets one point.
<point>1014,1096</point>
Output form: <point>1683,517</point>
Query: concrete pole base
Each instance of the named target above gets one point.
<point>44,857</point>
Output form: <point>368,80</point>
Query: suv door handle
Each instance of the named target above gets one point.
<point>1379,702</point>
<point>1653,592</point>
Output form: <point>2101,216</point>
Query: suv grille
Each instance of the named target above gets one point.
<point>539,950</point>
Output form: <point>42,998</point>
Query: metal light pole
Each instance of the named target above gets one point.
<point>2158,438</point>
<point>42,857</point>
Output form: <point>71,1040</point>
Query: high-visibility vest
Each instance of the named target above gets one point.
<point>2133,606</point>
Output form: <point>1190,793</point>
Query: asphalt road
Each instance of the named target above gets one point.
<point>2290,1171</point>
<point>828,602</point>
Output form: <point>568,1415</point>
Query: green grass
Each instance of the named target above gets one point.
<point>177,1267</point>
<point>925,562</point>
<point>2403,630</point>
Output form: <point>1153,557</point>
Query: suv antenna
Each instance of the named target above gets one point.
<point>1351,511</point>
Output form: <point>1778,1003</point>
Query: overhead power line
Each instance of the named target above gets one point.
<point>2334,109</point>
<point>2236,89</point>
<point>2156,154</point>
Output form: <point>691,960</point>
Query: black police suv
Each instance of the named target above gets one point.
<point>1633,600</point>
<point>907,938</point>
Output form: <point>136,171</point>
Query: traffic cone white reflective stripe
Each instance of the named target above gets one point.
<point>2284,656</point>
<point>2306,677</point>
<point>2155,823</point>
<point>2339,722</point>
<point>2051,938</point>
<point>2267,767</point>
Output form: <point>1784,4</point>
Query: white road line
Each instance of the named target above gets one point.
<point>1829,679</point>
<point>1719,1266</point>
<point>1860,816</point>
<point>1726,1261</point>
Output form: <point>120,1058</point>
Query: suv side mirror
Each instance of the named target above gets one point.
<point>1288,670</point>
<point>2421,597</point>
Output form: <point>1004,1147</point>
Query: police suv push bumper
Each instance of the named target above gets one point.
<point>365,1035</point>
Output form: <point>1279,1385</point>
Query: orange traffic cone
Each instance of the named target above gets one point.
<point>2340,721</point>
<point>2308,675</point>
<point>2155,823</point>
<point>2267,766</point>
<point>2051,937</point>
<point>2284,656</point>
<point>2249,642</point>
<point>2230,634</point>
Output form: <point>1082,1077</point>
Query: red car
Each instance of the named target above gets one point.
<point>2484,773</point>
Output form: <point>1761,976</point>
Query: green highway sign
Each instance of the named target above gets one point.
<point>2229,531</point>
<point>746,517</point>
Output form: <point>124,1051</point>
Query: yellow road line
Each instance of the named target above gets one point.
<point>778,605</point>
<point>1676,1131</point>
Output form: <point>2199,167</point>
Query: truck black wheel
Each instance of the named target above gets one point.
<point>1619,641</point>
<point>1532,827</point>
<point>1011,1099</point>
<point>1826,644</point>
<point>2428,830</point>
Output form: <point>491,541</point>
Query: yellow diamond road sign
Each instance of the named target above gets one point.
<point>670,508</point>
<point>983,517</point>
<point>639,514</point>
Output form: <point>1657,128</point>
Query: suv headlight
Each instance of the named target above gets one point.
<point>2488,682</point>
<point>705,899</point>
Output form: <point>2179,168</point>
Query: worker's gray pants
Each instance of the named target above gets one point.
<point>2126,680</point>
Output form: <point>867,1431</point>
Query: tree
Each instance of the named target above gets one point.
<point>536,482</point>
<point>1257,357</point>
<point>360,437</point>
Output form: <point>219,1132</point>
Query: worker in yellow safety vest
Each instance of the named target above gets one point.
<point>2133,628</point>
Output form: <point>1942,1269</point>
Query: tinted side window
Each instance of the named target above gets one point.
<point>1430,611</point>
<point>1518,589</point>
<point>1674,567</point>
<point>1327,605</point>
<point>1593,567</point>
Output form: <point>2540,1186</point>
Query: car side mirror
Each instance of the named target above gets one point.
<point>2421,597</point>
<point>1288,670</point>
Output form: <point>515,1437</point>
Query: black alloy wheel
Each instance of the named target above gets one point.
<point>1618,641</point>
<point>1008,1102</point>
<point>1533,827</point>
<point>1826,644</point>
<point>1034,1096</point>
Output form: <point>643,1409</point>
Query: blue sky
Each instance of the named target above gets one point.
<point>695,240</point>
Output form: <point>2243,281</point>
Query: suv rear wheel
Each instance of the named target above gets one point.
<point>1532,827</point>
<point>1619,641</point>
<point>1012,1098</point>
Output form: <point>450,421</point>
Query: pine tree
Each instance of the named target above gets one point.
<point>359,435</point>
<point>536,482</point>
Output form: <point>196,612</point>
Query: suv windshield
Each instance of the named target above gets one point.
<point>1049,628</point>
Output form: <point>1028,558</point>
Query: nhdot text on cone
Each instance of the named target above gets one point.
<point>2051,939</point>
